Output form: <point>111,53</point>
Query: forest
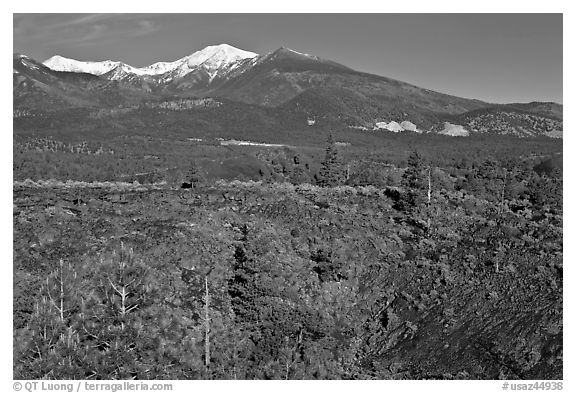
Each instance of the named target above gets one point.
<point>419,257</point>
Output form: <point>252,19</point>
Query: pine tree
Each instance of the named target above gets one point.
<point>415,181</point>
<point>332,172</point>
<point>113,322</point>
<point>193,176</point>
<point>49,347</point>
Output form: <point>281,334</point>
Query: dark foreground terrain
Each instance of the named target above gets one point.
<point>119,280</point>
<point>281,218</point>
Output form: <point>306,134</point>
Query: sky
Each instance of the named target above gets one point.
<point>497,58</point>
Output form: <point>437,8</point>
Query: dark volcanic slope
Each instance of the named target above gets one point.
<point>313,85</point>
<point>37,87</point>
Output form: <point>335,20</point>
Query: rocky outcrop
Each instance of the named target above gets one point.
<point>395,126</point>
<point>454,130</point>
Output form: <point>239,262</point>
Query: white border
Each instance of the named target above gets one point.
<point>295,6</point>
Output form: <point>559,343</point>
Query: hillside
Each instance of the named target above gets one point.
<point>284,75</point>
<point>532,121</point>
<point>276,79</point>
<point>546,109</point>
<point>39,88</point>
<point>281,90</point>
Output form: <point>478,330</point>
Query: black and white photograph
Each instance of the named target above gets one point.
<point>287,196</point>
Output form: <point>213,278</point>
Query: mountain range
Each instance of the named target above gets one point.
<point>283,88</point>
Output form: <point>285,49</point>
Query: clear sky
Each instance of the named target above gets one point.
<point>493,57</point>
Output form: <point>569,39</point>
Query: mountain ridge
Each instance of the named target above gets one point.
<point>329,94</point>
<point>214,56</point>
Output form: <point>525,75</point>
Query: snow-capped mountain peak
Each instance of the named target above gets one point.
<point>60,63</point>
<point>160,67</point>
<point>218,55</point>
<point>212,59</point>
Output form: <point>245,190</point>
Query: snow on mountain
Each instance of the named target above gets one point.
<point>160,67</point>
<point>217,56</point>
<point>60,63</point>
<point>121,71</point>
<point>212,59</point>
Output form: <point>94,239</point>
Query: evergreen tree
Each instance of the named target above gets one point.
<point>49,347</point>
<point>543,190</point>
<point>193,176</point>
<point>299,175</point>
<point>415,181</point>
<point>332,172</point>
